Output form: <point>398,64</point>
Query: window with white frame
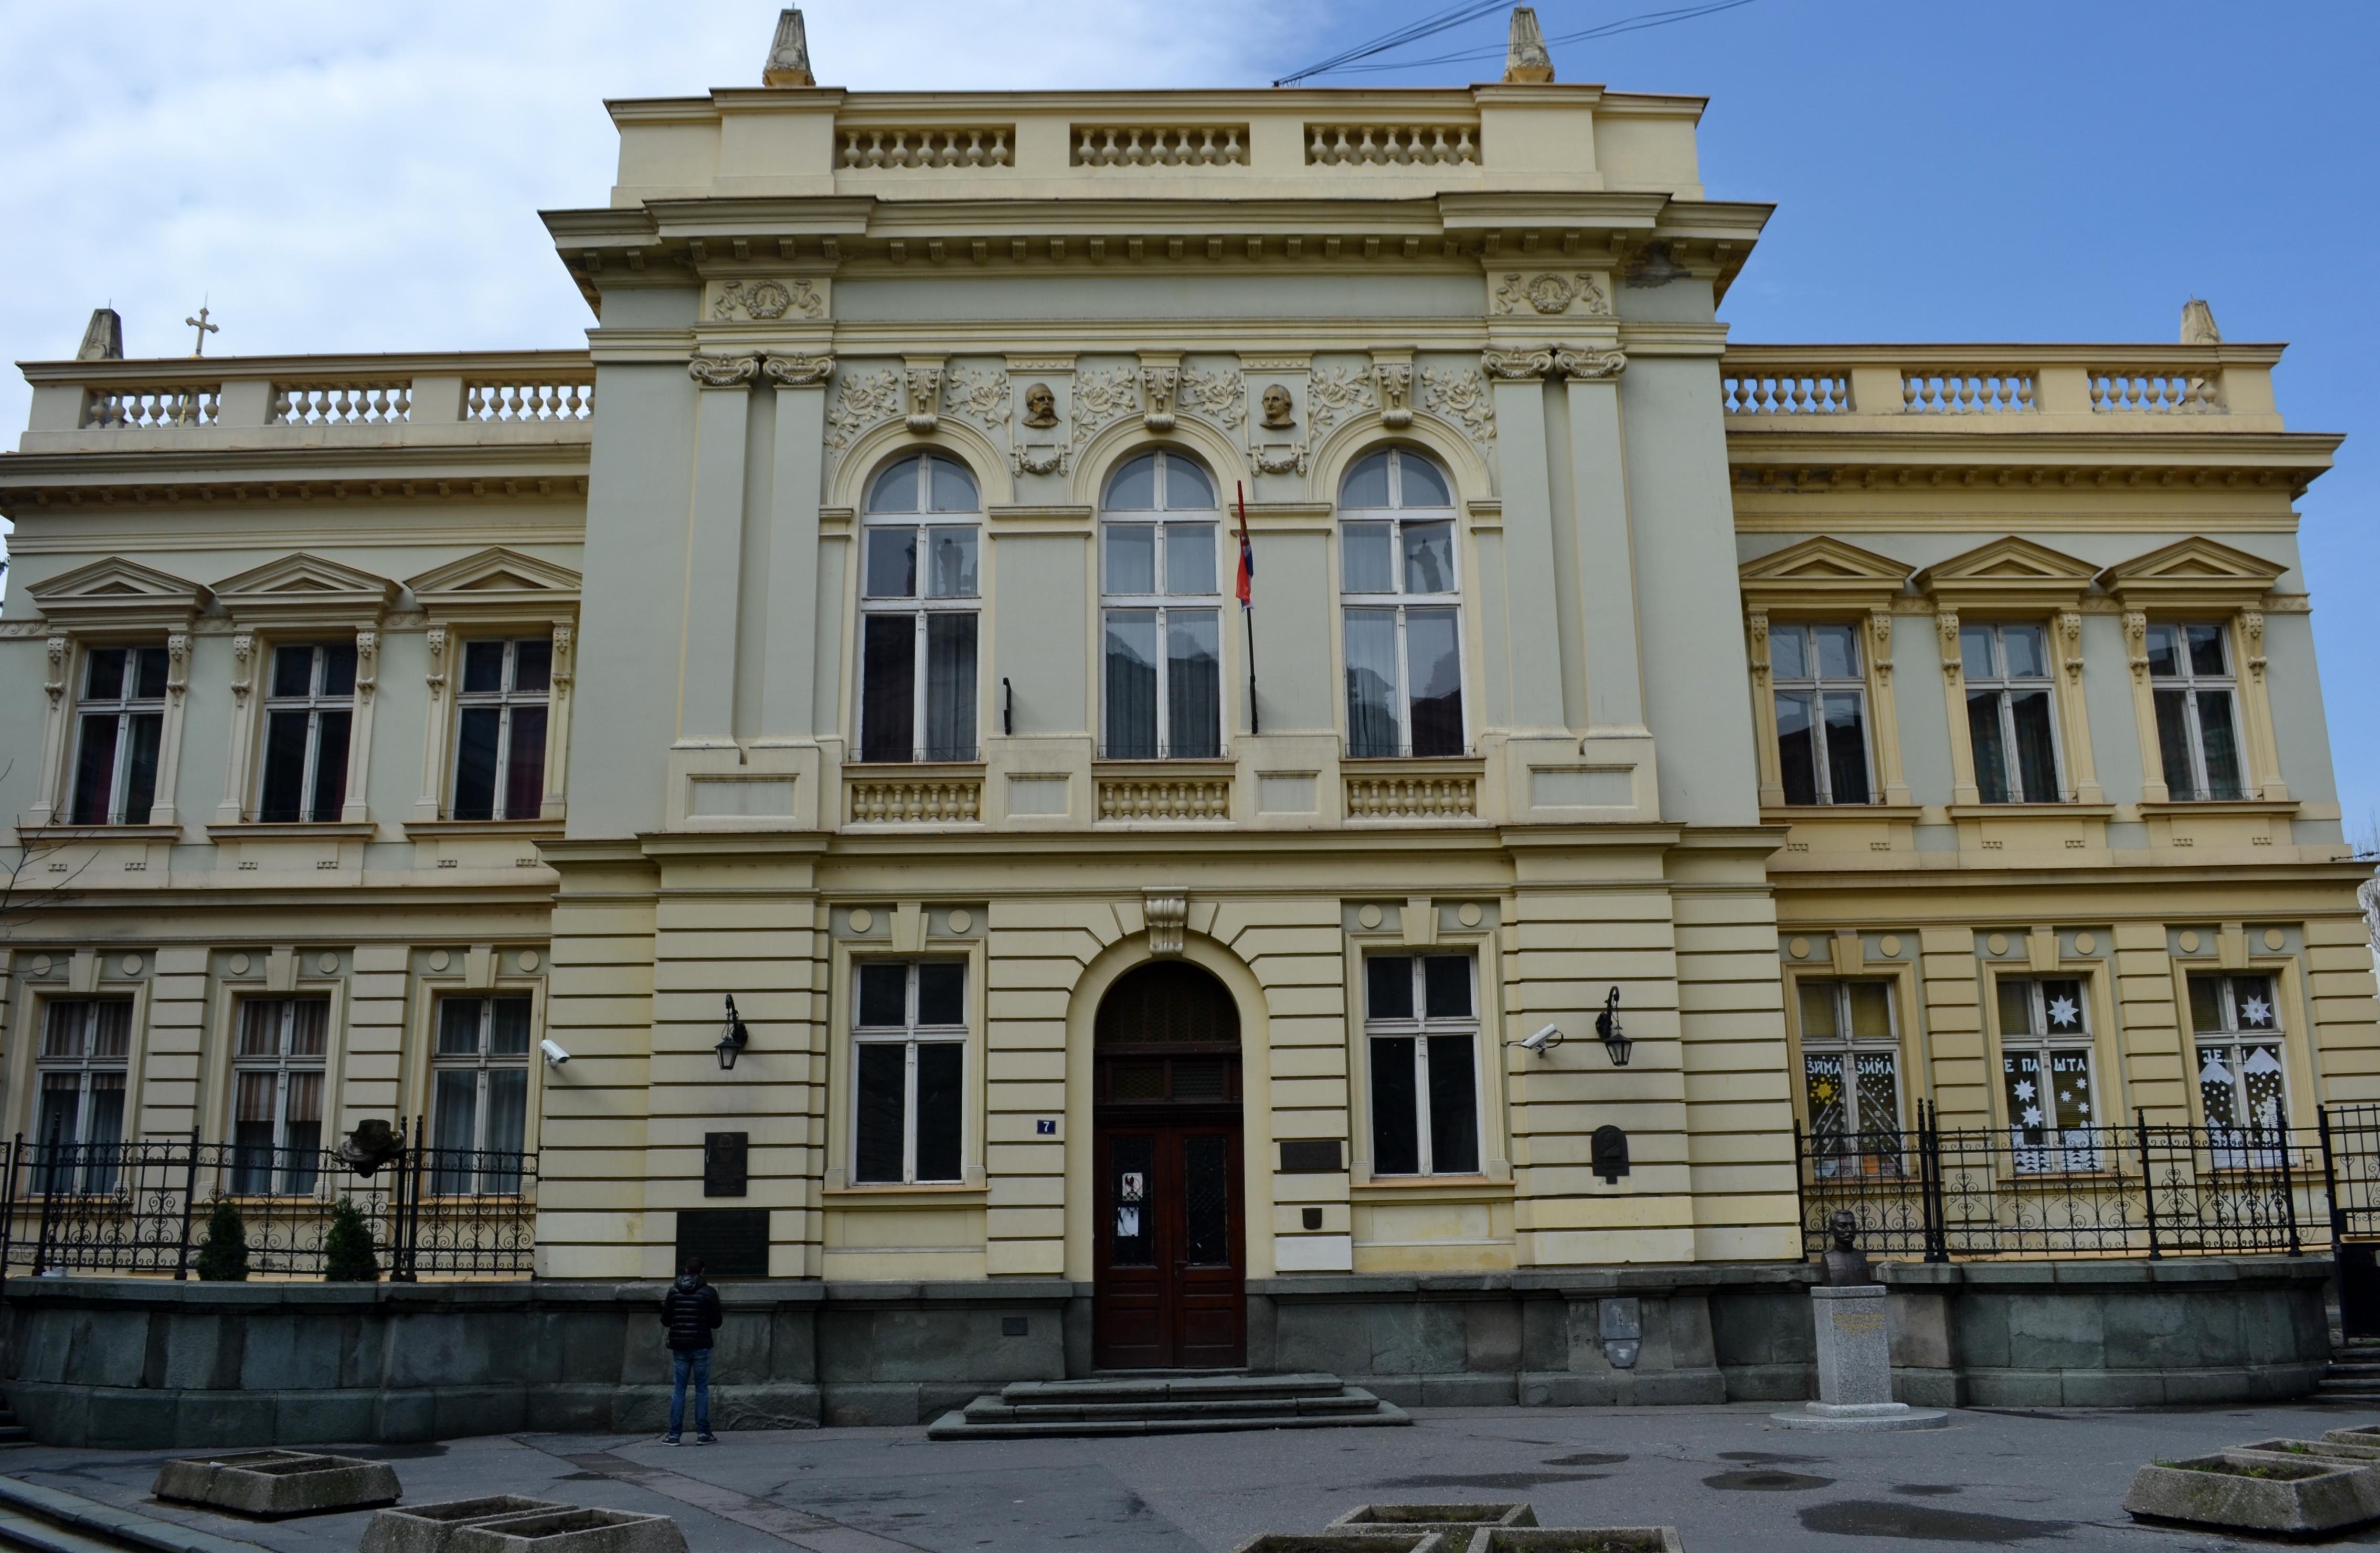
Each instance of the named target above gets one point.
<point>119,728</point>
<point>277,1094</point>
<point>500,739</point>
<point>909,1069</point>
<point>86,1043</point>
<point>1160,612</point>
<point>2241,1081</point>
<point>1401,608</point>
<point>308,713</point>
<point>1421,1031</point>
<point>2198,726</point>
<point>1850,1076</point>
<point>2012,713</point>
<point>920,600</point>
<point>478,1094</point>
<point>1821,713</point>
<point>2046,1071</point>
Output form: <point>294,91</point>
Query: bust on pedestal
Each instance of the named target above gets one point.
<point>1854,1348</point>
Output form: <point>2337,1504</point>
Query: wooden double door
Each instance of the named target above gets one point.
<point>1170,1199</point>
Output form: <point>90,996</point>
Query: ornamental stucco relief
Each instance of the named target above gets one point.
<point>1553,294</point>
<point>761,301</point>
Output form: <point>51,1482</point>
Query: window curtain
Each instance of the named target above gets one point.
<point>1194,684</point>
<point>1131,685</point>
<point>949,687</point>
<point>1371,684</point>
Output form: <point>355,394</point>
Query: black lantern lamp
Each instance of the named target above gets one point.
<point>734,1038</point>
<point>1606,1025</point>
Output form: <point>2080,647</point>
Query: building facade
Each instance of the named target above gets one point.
<point>1152,643</point>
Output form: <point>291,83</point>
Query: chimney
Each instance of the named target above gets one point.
<point>1525,58</point>
<point>103,340</point>
<point>2198,324</point>
<point>789,55</point>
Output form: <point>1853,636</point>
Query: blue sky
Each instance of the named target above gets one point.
<point>367,178</point>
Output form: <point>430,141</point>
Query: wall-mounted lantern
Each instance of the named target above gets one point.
<point>734,1038</point>
<point>1607,1026</point>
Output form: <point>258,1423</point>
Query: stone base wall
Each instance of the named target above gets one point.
<point>141,1364</point>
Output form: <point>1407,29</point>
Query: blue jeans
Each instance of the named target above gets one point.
<point>696,1363</point>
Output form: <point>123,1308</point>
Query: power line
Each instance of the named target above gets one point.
<point>1413,32</point>
<point>1347,64</point>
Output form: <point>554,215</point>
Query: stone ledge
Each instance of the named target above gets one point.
<point>2170,1272</point>
<point>1568,1282</point>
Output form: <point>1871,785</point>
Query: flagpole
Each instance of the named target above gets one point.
<point>1248,605</point>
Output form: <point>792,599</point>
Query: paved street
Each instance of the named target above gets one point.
<point>1722,1475</point>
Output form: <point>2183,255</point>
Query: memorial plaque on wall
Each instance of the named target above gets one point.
<point>723,1156</point>
<point>1310,1157</point>
<point>732,1241</point>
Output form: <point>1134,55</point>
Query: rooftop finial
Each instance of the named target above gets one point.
<point>1525,58</point>
<point>789,55</point>
<point>2198,324</point>
<point>103,340</point>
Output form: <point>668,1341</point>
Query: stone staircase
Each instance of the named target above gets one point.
<point>1166,1403</point>
<point>2353,1373</point>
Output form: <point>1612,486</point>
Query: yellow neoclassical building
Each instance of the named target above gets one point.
<point>1185,658</point>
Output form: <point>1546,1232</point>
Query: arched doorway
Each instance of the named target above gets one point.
<point>1171,1209</point>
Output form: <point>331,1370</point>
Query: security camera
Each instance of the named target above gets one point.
<point>1544,1040</point>
<point>555,1055</point>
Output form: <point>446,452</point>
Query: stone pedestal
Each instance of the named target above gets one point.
<point>1855,1367</point>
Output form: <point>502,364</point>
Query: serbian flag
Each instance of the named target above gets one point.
<point>1248,551</point>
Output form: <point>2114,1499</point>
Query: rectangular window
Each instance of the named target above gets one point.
<point>2241,1081</point>
<point>917,669</point>
<point>86,1043</point>
<point>500,742</point>
<point>277,1094</point>
<point>1162,641</point>
<point>309,712</point>
<point>2198,729</point>
<point>1821,713</point>
<point>2046,1069</point>
<point>2011,710</point>
<point>119,726</point>
<point>1421,1027</point>
<point>478,1095</point>
<point>1401,628</point>
<point>1850,1076</point>
<point>909,1062</point>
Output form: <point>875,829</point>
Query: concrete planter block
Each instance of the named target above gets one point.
<point>571,1531</point>
<point>2366,1450</point>
<point>2364,1434</point>
<point>1381,1540</point>
<point>1575,1540</point>
<point>428,1528</point>
<point>2251,1492</point>
<point>1451,1519</point>
<point>271,1485</point>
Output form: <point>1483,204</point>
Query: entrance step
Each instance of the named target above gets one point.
<point>2353,1373</point>
<point>34,1519</point>
<point>1159,1403</point>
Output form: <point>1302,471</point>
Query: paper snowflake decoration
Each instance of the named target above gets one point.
<point>2066,1097</point>
<point>2024,1089</point>
<point>2063,1010</point>
<point>2256,1011</point>
<point>2032,1116</point>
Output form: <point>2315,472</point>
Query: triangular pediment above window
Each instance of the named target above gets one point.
<point>300,588</point>
<point>497,581</point>
<point>2193,572</point>
<point>2010,572</point>
<point>1821,573</point>
<point>117,594</point>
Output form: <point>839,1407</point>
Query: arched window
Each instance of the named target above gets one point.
<point>1402,607</point>
<point>1160,612</point>
<point>919,603</point>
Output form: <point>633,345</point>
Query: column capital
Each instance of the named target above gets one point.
<point>723,371</point>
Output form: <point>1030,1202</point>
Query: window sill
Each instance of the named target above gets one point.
<point>1456,765</point>
<point>2221,806</point>
<point>432,829</point>
<point>1431,1188</point>
<point>293,830</point>
<point>956,1193</point>
<point>2029,811</point>
<point>1170,765</point>
<point>142,832</point>
<point>862,769</point>
<point>1805,814</point>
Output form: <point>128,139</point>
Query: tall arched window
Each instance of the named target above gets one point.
<point>918,604</point>
<point>1402,607</point>
<point>1160,612</point>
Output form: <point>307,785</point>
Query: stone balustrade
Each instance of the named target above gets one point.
<point>2132,388</point>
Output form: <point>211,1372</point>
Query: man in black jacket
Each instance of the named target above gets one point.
<point>690,1311</point>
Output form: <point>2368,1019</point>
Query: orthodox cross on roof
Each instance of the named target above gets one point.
<point>204,329</point>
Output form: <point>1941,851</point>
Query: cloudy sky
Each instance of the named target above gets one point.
<point>367,178</point>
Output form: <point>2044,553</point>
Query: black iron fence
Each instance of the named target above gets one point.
<point>144,1206</point>
<point>2146,1189</point>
